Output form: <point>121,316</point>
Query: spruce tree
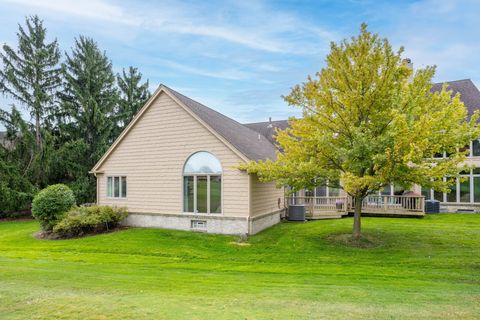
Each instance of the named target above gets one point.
<point>31,73</point>
<point>133,95</point>
<point>88,103</point>
<point>90,97</point>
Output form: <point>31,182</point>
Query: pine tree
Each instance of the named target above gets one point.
<point>133,95</point>
<point>31,73</point>
<point>90,97</point>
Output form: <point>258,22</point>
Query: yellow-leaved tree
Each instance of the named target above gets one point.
<point>369,121</point>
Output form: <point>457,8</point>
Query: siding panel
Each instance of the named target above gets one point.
<point>264,197</point>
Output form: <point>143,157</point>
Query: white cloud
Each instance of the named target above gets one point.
<point>253,24</point>
<point>227,74</point>
<point>90,9</point>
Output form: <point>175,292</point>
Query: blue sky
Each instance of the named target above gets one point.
<point>239,57</point>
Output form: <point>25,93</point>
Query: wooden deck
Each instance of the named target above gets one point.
<point>336,207</point>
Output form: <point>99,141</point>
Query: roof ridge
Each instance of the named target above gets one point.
<point>259,122</point>
<point>449,81</point>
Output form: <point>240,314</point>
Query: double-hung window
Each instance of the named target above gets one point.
<point>116,187</point>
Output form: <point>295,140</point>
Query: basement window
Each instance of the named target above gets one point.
<point>199,225</point>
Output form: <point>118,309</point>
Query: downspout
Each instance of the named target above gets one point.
<point>96,184</point>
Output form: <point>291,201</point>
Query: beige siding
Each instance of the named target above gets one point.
<point>264,197</point>
<point>152,156</point>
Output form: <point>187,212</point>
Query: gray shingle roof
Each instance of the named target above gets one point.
<point>267,129</point>
<point>250,143</point>
<point>469,93</point>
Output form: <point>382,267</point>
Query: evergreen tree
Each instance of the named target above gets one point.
<point>31,76</point>
<point>90,97</point>
<point>17,157</point>
<point>88,101</point>
<point>31,73</point>
<point>133,95</point>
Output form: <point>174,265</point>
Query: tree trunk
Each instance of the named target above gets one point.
<point>356,217</point>
<point>38,137</point>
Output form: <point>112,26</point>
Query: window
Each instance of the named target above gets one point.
<point>202,184</point>
<point>476,147</point>
<point>452,195</point>
<point>323,191</point>
<point>117,187</point>
<point>464,195</point>
<point>426,193</point>
<point>465,190</point>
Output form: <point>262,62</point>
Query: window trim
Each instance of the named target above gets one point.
<point>120,177</point>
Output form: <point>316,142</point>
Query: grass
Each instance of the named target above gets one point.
<point>410,269</point>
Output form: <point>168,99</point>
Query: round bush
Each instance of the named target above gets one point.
<point>51,203</point>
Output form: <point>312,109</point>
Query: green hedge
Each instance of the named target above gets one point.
<point>51,203</point>
<point>82,220</point>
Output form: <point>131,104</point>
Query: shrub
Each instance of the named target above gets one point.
<point>82,220</point>
<point>51,203</point>
<point>16,191</point>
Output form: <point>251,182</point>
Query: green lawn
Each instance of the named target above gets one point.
<point>424,269</point>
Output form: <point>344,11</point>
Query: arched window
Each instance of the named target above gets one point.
<point>202,184</point>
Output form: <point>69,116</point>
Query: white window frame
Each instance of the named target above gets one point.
<point>195,209</point>
<point>120,187</point>
<point>471,177</point>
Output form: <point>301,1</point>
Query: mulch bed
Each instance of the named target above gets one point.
<point>48,235</point>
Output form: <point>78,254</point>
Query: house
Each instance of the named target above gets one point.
<point>176,166</point>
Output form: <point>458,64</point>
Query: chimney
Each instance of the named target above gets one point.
<point>270,124</point>
<point>408,63</point>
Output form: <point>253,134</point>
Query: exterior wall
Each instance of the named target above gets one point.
<point>265,197</point>
<point>264,221</point>
<point>152,156</point>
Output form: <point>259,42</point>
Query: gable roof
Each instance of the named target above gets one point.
<point>248,144</point>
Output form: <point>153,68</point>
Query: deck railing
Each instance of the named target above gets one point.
<point>371,204</point>
<point>320,204</point>
<point>391,204</point>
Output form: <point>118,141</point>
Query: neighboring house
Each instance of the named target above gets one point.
<point>175,166</point>
<point>464,195</point>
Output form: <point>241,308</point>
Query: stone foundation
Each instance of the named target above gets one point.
<point>459,207</point>
<point>204,222</point>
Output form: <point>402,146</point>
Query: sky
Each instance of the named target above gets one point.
<point>240,57</point>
